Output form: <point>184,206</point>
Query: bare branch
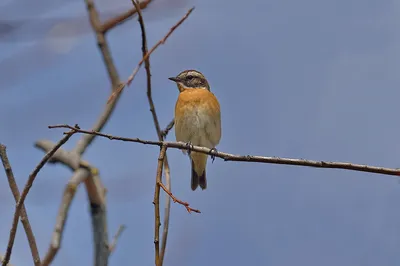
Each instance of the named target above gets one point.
<point>67,158</point>
<point>158,130</point>
<point>116,237</point>
<point>24,216</point>
<point>167,211</point>
<point>185,204</point>
<point>85,141</point>
<point>118,91</point>
<point>109,24</point>
<point>165,132</point>
<point>84,172</point>
<point>25,192</point>
<point>156,203</point>
<point>69,193</point>
<point>2,258</point>
<point>248,158</point>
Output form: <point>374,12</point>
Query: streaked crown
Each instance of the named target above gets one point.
<point>191,79</point>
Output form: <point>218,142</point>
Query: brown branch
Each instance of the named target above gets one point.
<point>116,237</point>
<point>118,91</point>
<point>165,132</point>
<point>185,204</point>
<point>83,172</point>
<point>109,24</point>
<point>167,211</point>
<point>25,192</point>
<point>24,216</point>
<point>85,141</point>
<point>1,259</point>
<point>248,158</point>
<point>156,203</point>
<point>69,193</point>
<point>158,130</point>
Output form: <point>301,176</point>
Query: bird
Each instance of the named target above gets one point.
<point>197,121</point>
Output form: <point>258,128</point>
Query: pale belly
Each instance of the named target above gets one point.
<point>196,127</point>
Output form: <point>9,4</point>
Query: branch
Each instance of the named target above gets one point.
<point>116,237</point>
<point>109,24</point>
<point>185,204</point>
<point>158,130</point>
<point>24,215</point>
<point>118,91</point>
<point>156,203</point>
<point>165,132</point>
<point>69,193</point>
<point>247,158</point>
<point>2,257</point>
<point>85,141</point>
<point>25,192</point>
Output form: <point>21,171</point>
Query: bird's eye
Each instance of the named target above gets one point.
<point>189,77</point>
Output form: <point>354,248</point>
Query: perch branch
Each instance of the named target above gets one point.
<point>118,91</point>
<point>248,158</point>
<point>24,216</point>
<point>25,192</point>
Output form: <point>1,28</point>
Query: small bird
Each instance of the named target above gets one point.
<point>197,120</point>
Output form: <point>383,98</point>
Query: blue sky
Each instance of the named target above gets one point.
<point>312,79</point>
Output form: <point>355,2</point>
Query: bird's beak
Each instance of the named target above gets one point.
<point>174,79</point>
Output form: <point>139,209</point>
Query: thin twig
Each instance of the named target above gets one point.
<point>24,216</point>
<point>162,41</point>
<point>185,204</point>
<point>165,132</point>
<point>116,237</point>
<point>156,203</point>
<point>111,23</point>
<point>25,192</point>
<point>248,158</point>
<point>158,130</point>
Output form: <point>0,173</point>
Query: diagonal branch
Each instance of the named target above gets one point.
<point>2,257</point>
<point>25,192</point>
<point>24,215</point>
<point>69,192</point>
<point>165,132</point>
<point>118,91</point>
<point>109,24</point>
<point>116,237</point>
<point>183,203</point>
<point>248,158</point>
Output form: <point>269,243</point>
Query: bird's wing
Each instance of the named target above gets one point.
<point>213,127</point>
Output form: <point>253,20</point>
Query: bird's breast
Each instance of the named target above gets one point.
<point>195,111</point>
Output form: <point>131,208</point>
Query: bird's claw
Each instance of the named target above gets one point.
<point>189,146</point>
<point>213,152</point>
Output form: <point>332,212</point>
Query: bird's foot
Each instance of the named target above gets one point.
<point>213,152</point>
<point>189,146</point>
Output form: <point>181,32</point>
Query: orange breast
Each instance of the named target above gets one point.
<point>192,99</point>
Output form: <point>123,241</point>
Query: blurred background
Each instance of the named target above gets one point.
<point>313,79</point>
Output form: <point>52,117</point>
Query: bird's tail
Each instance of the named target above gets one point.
<point>199,162</point>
